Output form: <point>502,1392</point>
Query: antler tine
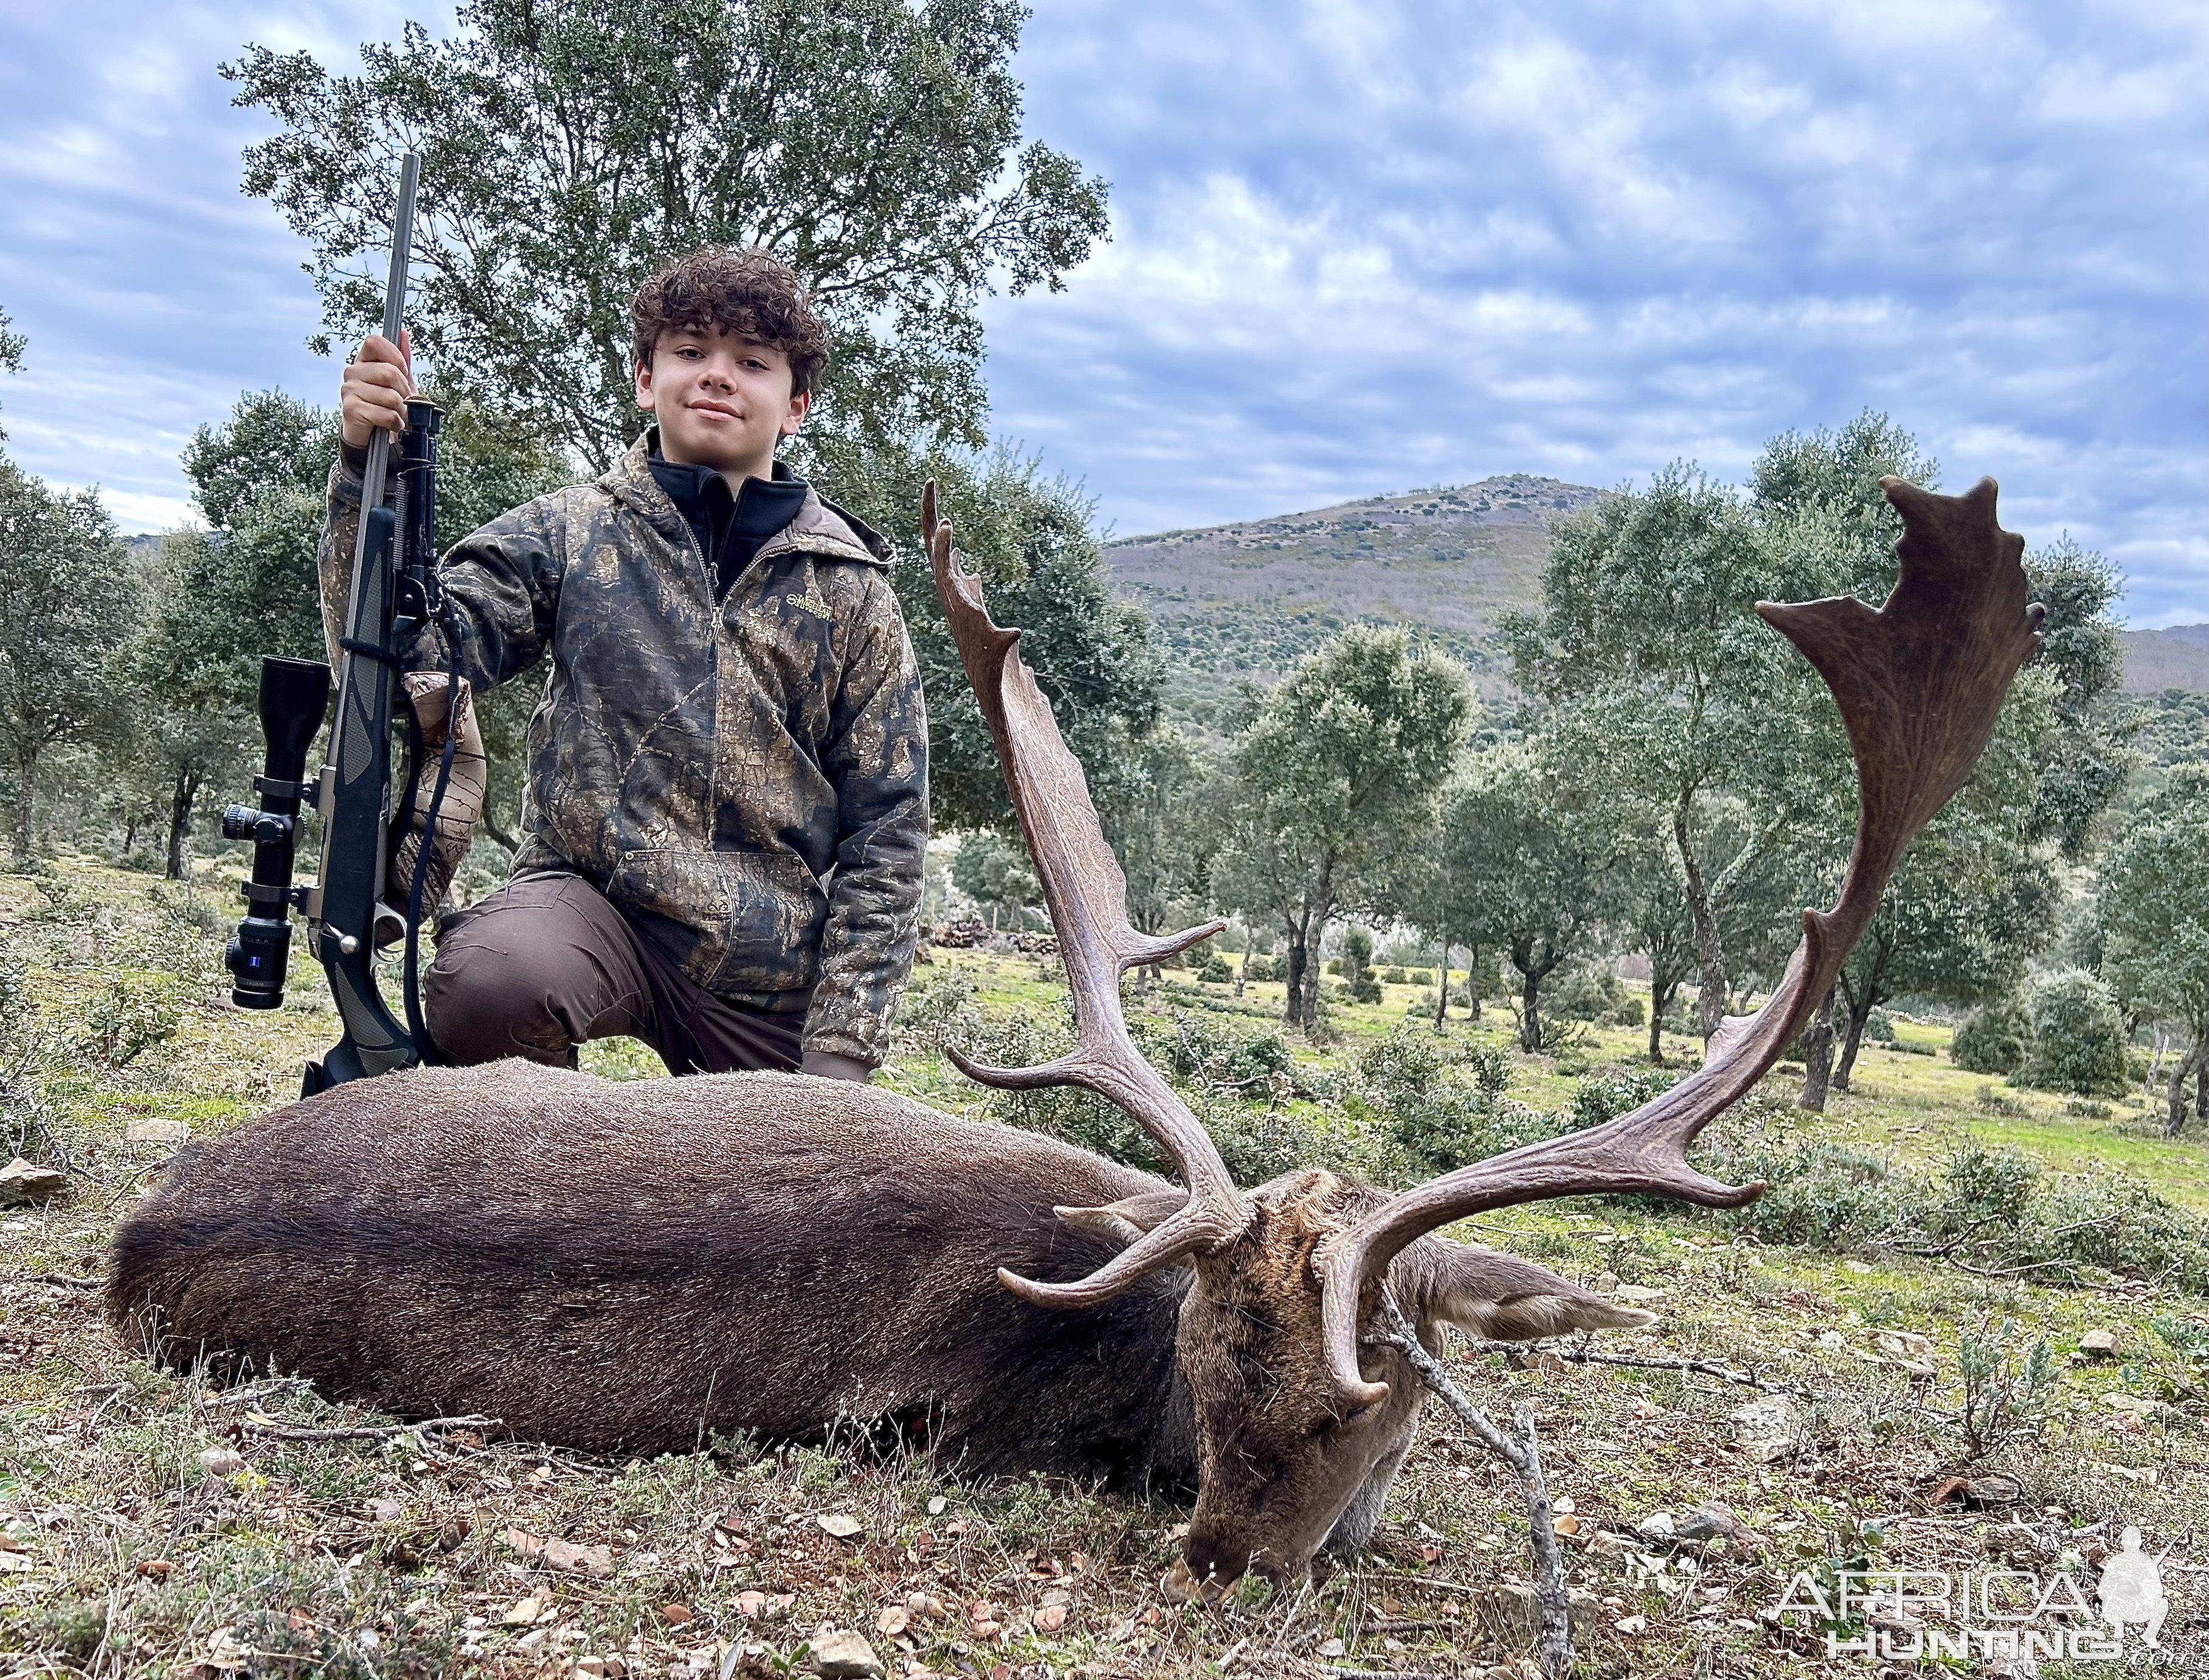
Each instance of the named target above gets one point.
<point>1919,683</point>
<point>1087,895</point>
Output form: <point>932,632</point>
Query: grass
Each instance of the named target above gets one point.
<point>128,1550</point>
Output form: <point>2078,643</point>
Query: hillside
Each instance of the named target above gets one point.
<point>1250,599</point>
<point>2175,658</point>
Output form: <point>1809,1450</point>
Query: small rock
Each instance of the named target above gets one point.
<point>892,1622</point>
<point>1772,1415</point>
<point>530,1644</point>
<point>23,1183</point>
<point>1630,1625</point>
<point>938,1505</point>
<point>1050,1619</point>
<point>841,1655</point>
<point>386,1511</point>
<point>1564,1504</point>
<point>676,1615</point>
<point>155,1569</point>
<point>149,1131</point>
<point>751,1604</point>
<point>838,1526</point>
<point>1711,1521</point>
<point>590,1560</point>
<point>1658,1528</point>
<point>1566,1527</point>
<point>222,1460</point>
<point>2098,1344</point>
<point>1634,1294</point>
<point>522,1612</point>
<point>1331,1648</point>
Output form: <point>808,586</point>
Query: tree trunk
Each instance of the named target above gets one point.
<point>1658,1004</point>
<point>1818,1056</point>
<point>2189,1063</point>
<point>1710,955</point>
<point>1441,994</point>
<point>2201,1086</point>
<point>1243,972</point>
<point>1292,977</point>
<point>180,820</point>
<point>1858,1015</point>
<point>1529,1002</point>
<point>27,768</point>
<point>1473,984</point>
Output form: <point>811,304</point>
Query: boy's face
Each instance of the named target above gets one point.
<point>722,401</point>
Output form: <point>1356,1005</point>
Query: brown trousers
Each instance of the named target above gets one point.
<point>546,963</point>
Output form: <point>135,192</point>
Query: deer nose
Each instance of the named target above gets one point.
<point>1207,1570</point>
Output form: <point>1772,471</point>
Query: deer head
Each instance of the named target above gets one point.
<point>1299,1415</point>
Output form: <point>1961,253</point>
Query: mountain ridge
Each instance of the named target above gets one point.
<point>1244,601</point>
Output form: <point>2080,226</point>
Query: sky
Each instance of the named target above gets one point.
<point>1356,249</point>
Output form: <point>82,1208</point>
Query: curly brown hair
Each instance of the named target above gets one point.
<point>749,293</point>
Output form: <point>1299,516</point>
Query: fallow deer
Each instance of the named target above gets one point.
<point>636,1268</point>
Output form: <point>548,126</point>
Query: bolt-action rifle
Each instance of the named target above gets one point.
<point>394,591</point>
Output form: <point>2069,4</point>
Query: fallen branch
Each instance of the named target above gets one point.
<point>276,1431</point>
<point>1573,1355</point>
<point>65,1281</point>
<point>1523,1454</point>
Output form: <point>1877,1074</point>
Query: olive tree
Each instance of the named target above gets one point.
<point>2153,908</point>
<point>68,602</point>
<point>568,149</point>
<point>1336,776</point>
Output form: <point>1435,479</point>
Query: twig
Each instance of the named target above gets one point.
<point>65,1281</point>
<point>1576,1355</point>
<point>367,1431</point>
<point>1523,1454</point>
<point>1379,1674</point>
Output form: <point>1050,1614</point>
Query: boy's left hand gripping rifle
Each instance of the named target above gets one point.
<point>394,591</point>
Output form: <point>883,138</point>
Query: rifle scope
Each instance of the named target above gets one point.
<point>294,695</point>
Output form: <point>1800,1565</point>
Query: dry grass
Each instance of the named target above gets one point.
<point>395,1553</point>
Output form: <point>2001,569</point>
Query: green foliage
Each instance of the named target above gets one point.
<point>568,149</point>
<point>2002,1398</point>
<point>1988,1186</point>
<point>1029,538</point>
<point>2153,904</point>
<point>1354,966</point>
<point>127,1018</point>
<point>1525,865</point>
<point>995,874</point>
<point>68,601</point>
<point>1334,782</point>
<point>1602,1097</point>
<point>1994,1039</point>
<point>2078,1037</point>
<point>1217,970</point>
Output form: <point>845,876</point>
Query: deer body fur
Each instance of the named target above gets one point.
<point>636,1268</point>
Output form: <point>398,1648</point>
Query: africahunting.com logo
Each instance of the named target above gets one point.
<point>1928,1615</point>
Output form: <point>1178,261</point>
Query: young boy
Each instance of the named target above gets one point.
<point>727,801</point>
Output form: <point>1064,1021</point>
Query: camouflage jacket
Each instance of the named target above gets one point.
<point>747,780</point>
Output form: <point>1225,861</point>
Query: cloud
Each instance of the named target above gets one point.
<point>1359,245</point>
<point>1360,248</point>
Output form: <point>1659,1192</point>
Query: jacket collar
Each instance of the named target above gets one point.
<point>818,527</point>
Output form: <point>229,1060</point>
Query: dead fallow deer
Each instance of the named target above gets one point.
<point>639,1267</point>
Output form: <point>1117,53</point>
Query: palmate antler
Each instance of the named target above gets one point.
<point>1919,684</point>
<point>1087,895</point>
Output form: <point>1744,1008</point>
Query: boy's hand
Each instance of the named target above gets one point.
<point>827,1065</point>
<point>375,389</point>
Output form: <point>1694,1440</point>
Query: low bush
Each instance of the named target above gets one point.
<point>2078,1037</point>
<point>1994,1040</point>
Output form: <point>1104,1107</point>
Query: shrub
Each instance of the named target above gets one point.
<point>2078,1037</point>
<point>2001,1399</point>
<point>1395,977</point>
<point>128,1018</point>
<point>1355,965</point>
<point>1994,1040</point>
<point>1585,994</point>
<point>1422,977</point>
<point>1605,1097</point>
<point>1491,1067</point>
<point>1878,1027</point>
<point>1628,1011</point>
<point>1217,970</point>
<point>1989,1186</point>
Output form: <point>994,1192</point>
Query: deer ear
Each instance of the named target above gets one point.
<point>1129,1219</point>
<point>1493,1295</point>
